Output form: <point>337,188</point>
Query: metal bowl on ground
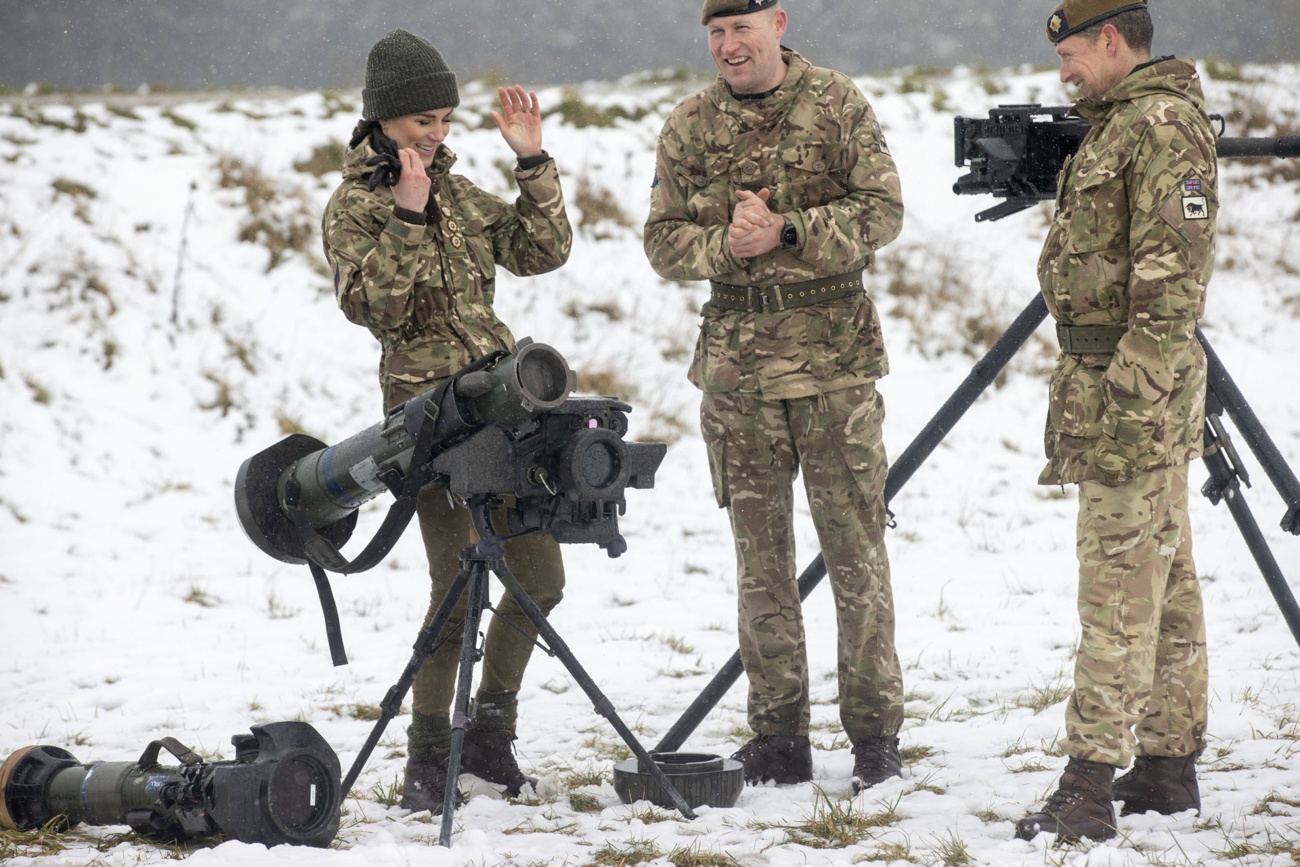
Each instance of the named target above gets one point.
<point>703,780</point>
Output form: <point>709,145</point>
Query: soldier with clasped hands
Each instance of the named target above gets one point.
<point>775,185</point>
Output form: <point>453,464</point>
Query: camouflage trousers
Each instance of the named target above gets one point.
<point>534,560</point>
<point>756,448</point>
<point>1140,677</point>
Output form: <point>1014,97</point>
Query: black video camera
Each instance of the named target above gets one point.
<point>1015,154</point>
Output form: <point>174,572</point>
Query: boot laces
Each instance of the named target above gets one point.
<point>1073,790</point>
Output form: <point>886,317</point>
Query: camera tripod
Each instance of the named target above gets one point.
<point>1227,474</point>
<point>477,562</point>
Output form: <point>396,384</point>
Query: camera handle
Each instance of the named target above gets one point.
<point>1221,392</point>
<point>478,561</point>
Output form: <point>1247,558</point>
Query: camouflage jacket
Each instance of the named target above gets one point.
<point>816,145</point>
<point>425,292</point>
<point>1132,244</point>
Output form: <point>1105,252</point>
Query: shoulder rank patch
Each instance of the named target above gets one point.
<point>1195,205</point>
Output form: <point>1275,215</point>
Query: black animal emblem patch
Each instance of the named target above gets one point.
<point>1195,205</point>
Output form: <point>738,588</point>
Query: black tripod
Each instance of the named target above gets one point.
<point>1226,476</point>
<point>477,561</point>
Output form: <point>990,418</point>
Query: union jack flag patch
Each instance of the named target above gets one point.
<point>1192,186</point>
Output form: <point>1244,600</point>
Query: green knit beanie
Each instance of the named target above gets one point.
<point>406,75</point>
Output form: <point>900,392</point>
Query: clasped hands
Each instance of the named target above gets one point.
<point>754,229</point>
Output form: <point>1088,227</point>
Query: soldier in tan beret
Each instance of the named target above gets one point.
<point>1124,273</point>
<point>775,185</point>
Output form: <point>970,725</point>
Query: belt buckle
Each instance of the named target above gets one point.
<point>766,299</point>
<point>1063,338</point>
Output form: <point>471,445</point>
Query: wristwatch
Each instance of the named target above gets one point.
<point>789,235</point>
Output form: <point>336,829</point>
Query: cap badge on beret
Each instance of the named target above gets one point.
<point>1072,16</point>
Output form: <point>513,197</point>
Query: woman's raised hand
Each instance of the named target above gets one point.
<point>520,121</point>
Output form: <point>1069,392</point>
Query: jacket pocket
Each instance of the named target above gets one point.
<point>810,170</point>
<point>708,190</point>
<point>716,364</point>
<point>1077,398</point>
<point>1098,201</point>
<point>1092,269</point>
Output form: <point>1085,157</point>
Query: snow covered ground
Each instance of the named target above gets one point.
<point>164,314</point>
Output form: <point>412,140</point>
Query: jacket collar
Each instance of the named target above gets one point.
<point>779,101</point>
<point>355,162</point>
<point>1163,76</point>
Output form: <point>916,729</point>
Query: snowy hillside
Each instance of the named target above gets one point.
<point>165,314</point>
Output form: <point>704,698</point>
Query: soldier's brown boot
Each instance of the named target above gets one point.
<point>490,756</point>
<point>783,759</point>
<point>1161,784</point>
<point>1079,808</point>
<point>874,761</point>
<point>425,786</point>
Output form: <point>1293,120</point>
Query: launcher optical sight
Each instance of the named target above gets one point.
<point>504,426</point>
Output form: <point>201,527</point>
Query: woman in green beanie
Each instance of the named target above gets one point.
<point>414,250</point>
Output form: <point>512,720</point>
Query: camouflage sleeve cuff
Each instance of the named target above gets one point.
<point>411,233</point>
<point>526,163</point>
<point>408,216</point>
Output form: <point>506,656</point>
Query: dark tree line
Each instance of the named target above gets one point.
<point>310,44</point>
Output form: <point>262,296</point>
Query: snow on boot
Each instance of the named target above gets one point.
<point>490,756</point>
<point>779,758</point>
<point>1079,808</point>
<point>425,786</point>
<point>875,760</point>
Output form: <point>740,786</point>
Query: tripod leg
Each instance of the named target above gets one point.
<point>1252,429</point>
<point>727,676</point>
<point>1223,485</point>
<point>601,703</point>
<point>469,654</point>
<point>424,645</point>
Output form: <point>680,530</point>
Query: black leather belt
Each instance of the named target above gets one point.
<point>767,299</point>
<point>1089,339</point>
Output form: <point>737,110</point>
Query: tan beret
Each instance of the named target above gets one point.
<point>1075,15</point>
<point>713,8</point>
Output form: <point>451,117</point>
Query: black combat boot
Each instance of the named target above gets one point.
<point>1080,807</point>
<point>1162,784</point>
<point>425,786</point>
<point>780,758</point>
<point>874,761</point>
<point>490,756</point>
